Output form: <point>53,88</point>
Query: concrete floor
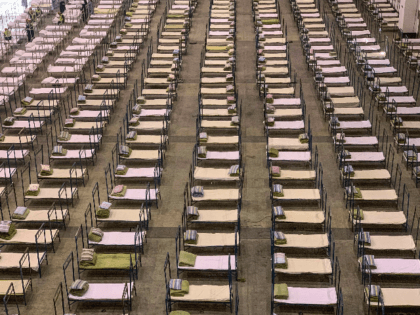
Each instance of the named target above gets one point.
<point>254,263</point>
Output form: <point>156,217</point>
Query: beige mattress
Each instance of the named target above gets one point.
<point>297,266</point>
<point>217,216</point>
<point>142,155</point>
<point>205,293</point>
<point>299,194</point>
<point>310,217</point>
<point>64,173</point>
<point>218,195</point>
<point>207,173</point>
<point>305,241</point>
<point>296,175</point>
<point>282,144</point>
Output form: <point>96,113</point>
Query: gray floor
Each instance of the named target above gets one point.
<point>254,264</point>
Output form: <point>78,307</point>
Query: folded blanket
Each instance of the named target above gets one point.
<point>100,68</point>
<point>105,60</point>
<point>119,191</point>
<point>280,261</point>
<point>141,100</point>
<point>281,291</point>
<point>191,237</point>
<point>9,121</point>
<point>20,213</point>
<point>179,313</point>
<point>88,257</point>
<point>64,136</point>
<point>346,154</point>
<point>397,121</point>
<point>270,121</point>
<point>365,238</point>
<point>202,152</point>
<point>232,109</point>
<point>278,190</point>
<point>7,230</point>
<point>231,99</point>
<point>186,259</point>
<point>81,99</point>
<point>192,213</point>
<point>96,77</point>
<point>69,122</point>
<point>368,261</point>
<point>234,170</point>
<point>125,151</point>
<point>372,292</point>
<point>95,235</point>
<point>303,138</point>
<point>33,190</point>
<point>355,216</point>
<point>59,151</point>
<point>411,155</point>
<point>135,121</point>
<point>184,289</point>
<point>20,111</point>
<point>27,101</point>
<point>234,121</point>
<point>102,213</point>
<point>2,137</point>
<point>269,99</point>
<point>279,238</point>
<point>272,152</point>
<point>79,287</point>
<point>46,170</point>
<point>261,60</point>
<point>131,136</point>
<point>334,121</point>
<point>89,87</point>
<point>270,109</point>
<point>197,191</point>
<point>279,213</point>
<point>348,169</point>
<point>229,77</point>
<point>121,169</point>
<point>137,109</point>
<point>352,190</point>
<point>110,53</point>
<point>128,25</point>
<point>74,111</point>
<point>275,171</point>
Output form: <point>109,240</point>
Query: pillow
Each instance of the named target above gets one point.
<point>45,168</point>
<point>175,284</point>
<point>105,205</point>
<point>278,212</point>
<point>118,189</point>
<point>234,121</point>
<point>141,100</point>
<point>192,213</point>
<point>134,121</point>
<point>124,149</point>
<point>231,99</point>
<point>87,254</point>
<point>81,99</point>
<point>33,187</point>
<point>69,122</point>
<point>197,191</point>
<point>234,170</point>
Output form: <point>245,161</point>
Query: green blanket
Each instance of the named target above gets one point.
<point>187,259</point>
<point>278,194</point>
<point>80,292</point>
<point>20,217</point>
<point>216,48</point>
<point>281,266</point>
<point>94,238</point>
<point>360,214</point>
<point>280,291</point>
<point>119,261</point>
<point>121,194</point>
<point>102,213</point>
<point>184,289</point>
<point>63,153</point>
<point>179,313</point>
<point>92,262</point>
<point>12,232</point>
<point>47,173</point>
<point>270,21</point>
<point>32,193</point>
<point>122,172</point>
<point>127,155</point>
<point>358,194</point>
<point>273,152</point>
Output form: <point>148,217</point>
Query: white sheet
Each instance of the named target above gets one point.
<point>103,291</point>
<point>310,296</point>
